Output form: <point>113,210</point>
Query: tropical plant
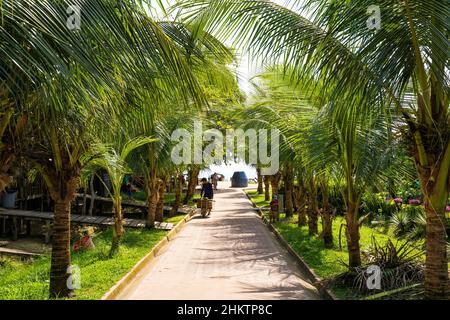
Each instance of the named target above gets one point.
<point>327,150</point>
<point>367,69</point>
<point>377,205</point>
<point>208,59</point>
<point>274,106</point>
<point>401,223</point>
<point>409,222</point>
<point>400,266</point>
<point>113,159</point>
<point>56,86</point>
<point>260,178</point>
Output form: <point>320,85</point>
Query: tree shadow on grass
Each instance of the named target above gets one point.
<point>326,262</point>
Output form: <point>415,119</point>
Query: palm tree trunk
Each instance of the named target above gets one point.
<point>354,252</point>
<point>152,198</point>
<point>266,188</point>
<point>288,191</point>
<point>178,193</point>
<point>118,229</point>
<point>192,183</point>
<point>327,221</point>
<point>8,155</point>
<point>83,210</point>
<point>260,181</point>
<point>435,185</point>
<point>161,187</point>
<point>275,182</point>
<point>60,260</point>
<point>62,193</point>
<point>91,188</point>
<point>300,205</point>
<point>312,209</point>
<point>151,211</point>
<point>436,265</point>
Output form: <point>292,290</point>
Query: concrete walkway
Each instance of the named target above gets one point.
<point>230,255</point>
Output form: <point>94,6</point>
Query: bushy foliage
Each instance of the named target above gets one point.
<point>412,192</point>
<point>377,206</point>
<point>409,222</point>
<point>400,266</point>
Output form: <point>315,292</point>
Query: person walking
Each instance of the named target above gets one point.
<point>207,189</point>
<point>206,195</point>
<point>214,180</point>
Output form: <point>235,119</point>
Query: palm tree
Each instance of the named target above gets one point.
<point>113,160</point>
<point>62,84</point>
<point>402,64</point>
<point>260,188</point>
<point>357,162</point>
<point>312,210</point>
<point>325,150</point>
<point>266,180</point>
<point>208,59</point>
<point>193,172</point>
<point>179,178</point>
<point>275,106</point>
<point>326,214</point>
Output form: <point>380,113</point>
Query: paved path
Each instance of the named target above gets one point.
<point>230,255</point>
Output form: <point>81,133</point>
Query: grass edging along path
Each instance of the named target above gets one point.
<point>122,283</point>
<point>29,281</point>
<point>307,271</point>
<point>328,263</point>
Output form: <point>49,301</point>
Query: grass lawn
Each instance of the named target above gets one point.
<point>169,198</point>
<point>20,280</point>
<point>258,199</point>
<point>326,262</point>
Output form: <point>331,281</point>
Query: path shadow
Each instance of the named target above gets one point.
<point>244,240</point>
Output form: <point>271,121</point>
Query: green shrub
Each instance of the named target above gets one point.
<point>413,211</point>
<point>400,223</point>
<point>376,205</point>
<point>400,265</point>
<point>409,222</point>
<point>410,193</point>
<point>419,230</point>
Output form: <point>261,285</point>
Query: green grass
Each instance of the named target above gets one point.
<point>20,280</point>
<point>140,195</point>
<point>326,262</point>
<point>137,196</point>
<point>174,219</point>
<point>258,199</point>
<point>169,198</point>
